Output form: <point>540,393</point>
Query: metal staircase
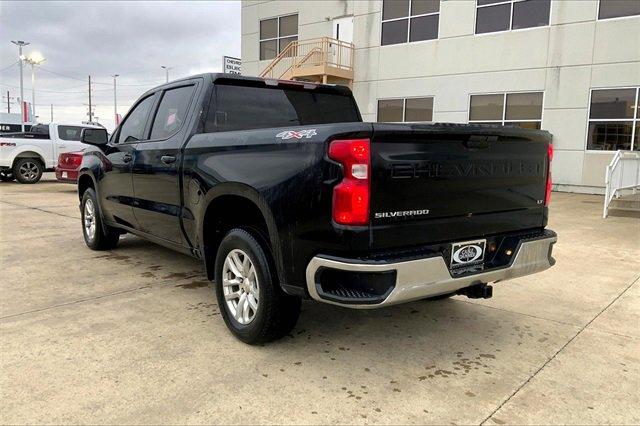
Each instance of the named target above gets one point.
<point>321,60</point>
<point>622,182</point>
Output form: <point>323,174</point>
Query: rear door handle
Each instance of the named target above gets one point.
<point>127,158</point>
<point>168,159</point>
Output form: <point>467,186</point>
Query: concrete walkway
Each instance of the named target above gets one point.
<point>134,336</point>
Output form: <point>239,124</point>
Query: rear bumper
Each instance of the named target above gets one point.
<point>426,277</point>
<point>66,175</point>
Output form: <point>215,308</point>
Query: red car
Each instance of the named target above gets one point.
<point>68,165</point>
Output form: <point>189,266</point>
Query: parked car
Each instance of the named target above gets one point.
<point>25,156</point>
<point>68,166</point>
<point>284,193</point>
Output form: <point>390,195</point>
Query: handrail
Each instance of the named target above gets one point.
<point>285,53</point>
<point>622,173</point>
<point>322,51</point>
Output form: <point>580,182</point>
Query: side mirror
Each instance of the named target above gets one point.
<point>94,136</point>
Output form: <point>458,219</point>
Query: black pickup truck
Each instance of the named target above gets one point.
<point>286,194</point>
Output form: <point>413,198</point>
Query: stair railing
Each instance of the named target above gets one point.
<point>323,51</point>
<point>623,173</point>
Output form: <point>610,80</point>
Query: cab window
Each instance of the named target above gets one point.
<point>171,112</point>
<point>69,133</point>
<point>133,127</point>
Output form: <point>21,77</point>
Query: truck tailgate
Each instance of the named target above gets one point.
<point>435,183</point>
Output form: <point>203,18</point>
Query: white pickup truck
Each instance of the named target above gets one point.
<point>25,156</point>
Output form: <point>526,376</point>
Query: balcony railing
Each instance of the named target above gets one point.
<point>314,57</point>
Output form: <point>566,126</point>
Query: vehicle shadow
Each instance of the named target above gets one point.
<point>466,335</point>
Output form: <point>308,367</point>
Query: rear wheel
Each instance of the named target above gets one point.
<point>97,235</point>
<point>28,170</point>
<point>253,305</point>
<point>6,176</point>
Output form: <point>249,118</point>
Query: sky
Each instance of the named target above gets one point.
<point>131,39</point>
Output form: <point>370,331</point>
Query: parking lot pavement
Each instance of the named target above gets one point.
<point>134,335</point>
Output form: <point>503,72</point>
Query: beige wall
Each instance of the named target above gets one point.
<point>565,60</point>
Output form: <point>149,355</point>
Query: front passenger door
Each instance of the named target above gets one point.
<point>116,185</point>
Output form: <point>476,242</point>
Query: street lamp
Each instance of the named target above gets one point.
<point>34,59</point>
<point>115,102</point>
<point>166,71</point>
<point>20,45</point>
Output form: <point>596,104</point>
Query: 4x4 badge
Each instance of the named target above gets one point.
<point>296,134</point>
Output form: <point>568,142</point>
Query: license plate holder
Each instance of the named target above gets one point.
<point>467,253</point>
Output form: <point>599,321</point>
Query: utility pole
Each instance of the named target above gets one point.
<point>166,71</point>
<point>115,102</point>
<point>90,113</point>
<point>9,99</point>
<point>20,45</point>
<point>51,113</point>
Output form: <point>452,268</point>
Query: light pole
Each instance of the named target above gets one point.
<point>34,59</point>
<point>115,102</point>
<point>166,71</point>
<point>20,45</point>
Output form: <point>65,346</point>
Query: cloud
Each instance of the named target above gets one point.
<point>132,39</point>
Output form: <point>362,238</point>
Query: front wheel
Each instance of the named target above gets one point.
<point>97,236</point>
<point>253,306</point>
<point>28,170</point>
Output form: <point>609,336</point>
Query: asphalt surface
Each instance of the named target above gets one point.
<point>134,335</point>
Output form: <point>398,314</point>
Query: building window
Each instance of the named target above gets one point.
<point>511,109</point>
<point>618,8</point>
<point>276,34</point>
<point>405,110</point>
<point>505,15</point>
<point>405,21</point>
<point>614,120</point>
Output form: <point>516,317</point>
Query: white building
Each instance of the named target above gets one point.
<point>567,66</point>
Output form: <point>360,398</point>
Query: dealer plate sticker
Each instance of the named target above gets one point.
<point>467,253</point>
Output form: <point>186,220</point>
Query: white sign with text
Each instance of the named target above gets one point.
<point>231,65</point>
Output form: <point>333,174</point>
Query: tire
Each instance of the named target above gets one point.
<point>28,170</point>
<point>97,235</point>
<point>270,313</point>
<point>6,176</point>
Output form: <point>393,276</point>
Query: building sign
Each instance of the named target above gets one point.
<point>231,65</point>
<point>12,128</point>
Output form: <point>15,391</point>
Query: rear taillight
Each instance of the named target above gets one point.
<point>351,196</point>
<point>547,195</point>
<point>70,159</point>
<point>76,160</point>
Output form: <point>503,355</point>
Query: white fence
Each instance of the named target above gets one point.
<point>622,173</point>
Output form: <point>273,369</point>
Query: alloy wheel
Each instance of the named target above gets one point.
<point>240,286</point>
<point>89,219</point>
<point>29,170</point>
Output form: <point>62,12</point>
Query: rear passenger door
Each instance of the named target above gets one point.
<point>155,171</point>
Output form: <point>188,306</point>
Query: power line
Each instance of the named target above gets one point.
<point>62,75</point>
<point>9,66</point>
<point>144,83</point>
<point>58,91</point>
